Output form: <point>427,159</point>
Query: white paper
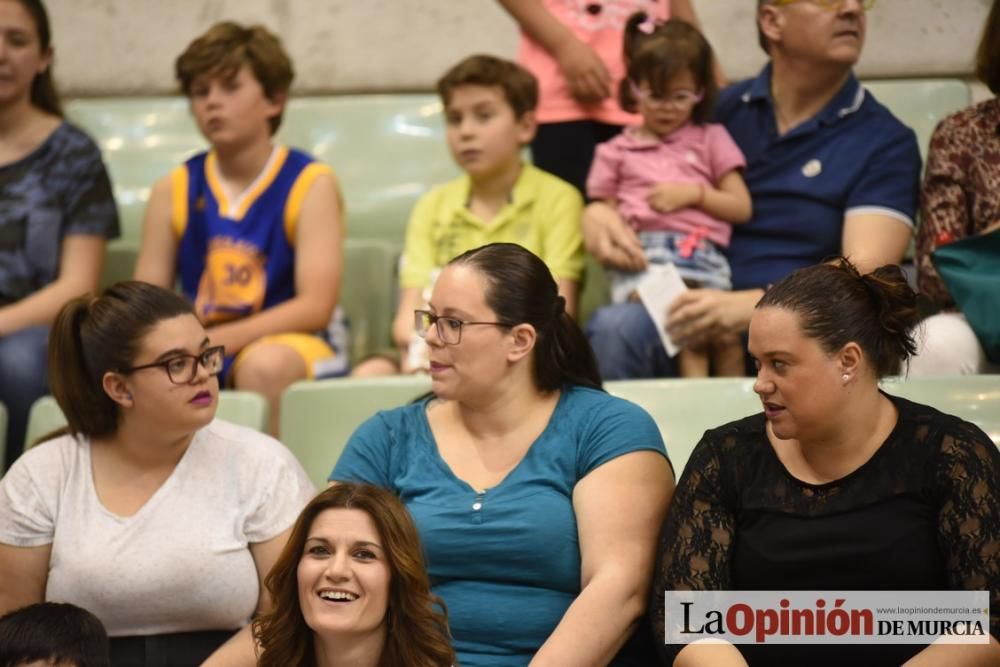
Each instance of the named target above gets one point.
<point>657,290</point>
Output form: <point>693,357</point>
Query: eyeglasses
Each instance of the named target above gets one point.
<point>449,329</point>
<point>829,5</point>
<point>182,368</point>
<point>679,99</point>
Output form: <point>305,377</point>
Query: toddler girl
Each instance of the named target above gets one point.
<point>675,178</point>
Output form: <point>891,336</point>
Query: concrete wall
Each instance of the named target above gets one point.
<point>128,46</point>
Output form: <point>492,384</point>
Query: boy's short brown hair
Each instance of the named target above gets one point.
<point>226,47</point>
<point>519,86</point>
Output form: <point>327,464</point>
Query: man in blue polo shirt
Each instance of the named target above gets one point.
<point>831,171</point>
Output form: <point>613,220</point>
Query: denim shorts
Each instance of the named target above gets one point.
<point>706,266</point>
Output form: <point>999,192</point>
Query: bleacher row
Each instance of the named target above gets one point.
<point>387,151</point>
<point>318,418</point>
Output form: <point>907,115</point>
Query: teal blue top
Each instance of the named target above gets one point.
<point>506,561</point>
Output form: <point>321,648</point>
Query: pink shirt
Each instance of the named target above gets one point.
<point>601,29</point>
<point>627,167</point>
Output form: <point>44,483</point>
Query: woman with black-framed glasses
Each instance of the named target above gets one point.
<point>535,493</point>
<point>149,512</point>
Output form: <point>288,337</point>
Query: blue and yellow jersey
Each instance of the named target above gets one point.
<point>236,258</point>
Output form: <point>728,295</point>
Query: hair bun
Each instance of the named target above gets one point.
<point>895,305</point>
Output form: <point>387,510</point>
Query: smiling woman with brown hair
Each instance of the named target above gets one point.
<point>836,485</point>
<point>351,589</point>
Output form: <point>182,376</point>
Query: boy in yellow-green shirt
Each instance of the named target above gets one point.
<point>489,114</point>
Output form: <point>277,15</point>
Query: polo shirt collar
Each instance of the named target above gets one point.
<point>760,87</point>
<point>848,99</point>
<point>633,139</point>
<point>521,196</point>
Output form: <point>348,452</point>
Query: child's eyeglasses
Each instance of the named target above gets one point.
<point>678,99</point>
<point>829,5</point>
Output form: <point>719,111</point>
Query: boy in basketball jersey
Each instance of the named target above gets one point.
<point>252,229</point>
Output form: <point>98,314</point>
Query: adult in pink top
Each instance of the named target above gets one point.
<point>574,49</point>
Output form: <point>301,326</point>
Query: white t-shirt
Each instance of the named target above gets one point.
<point>182,562</point>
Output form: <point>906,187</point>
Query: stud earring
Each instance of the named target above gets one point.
<point>846,377</point>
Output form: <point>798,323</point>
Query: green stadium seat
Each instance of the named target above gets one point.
<point>368,294</point>
<point>387,150</point>
<point>239,407</point>
<point>317,418</point>
<point>921,103</point>
<point>975,398</point>
<point>596,291</point>
<point>142,139</point>
<point>44,418</point>
<point>245,408</point>
<point>685,409</point>
<point>119,262</point>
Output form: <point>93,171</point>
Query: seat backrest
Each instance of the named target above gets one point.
<point>921,103</point>
<point>685,409</point>
<point>975,398</point>
<point>368,294</point>
<point>387,150</point>
<point>596,291</point>
<point>245,408</point>
<point>141,139</point>
<point>318,418</point>
<point>45,417</point>
<point>119,262</point>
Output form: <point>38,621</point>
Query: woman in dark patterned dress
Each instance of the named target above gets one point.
<point>836,485</point>
<point>960,198</point>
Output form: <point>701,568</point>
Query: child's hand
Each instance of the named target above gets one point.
<point>669,197</point>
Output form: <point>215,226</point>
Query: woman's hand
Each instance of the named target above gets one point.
<point>701,314</point>
<point>586,74</point>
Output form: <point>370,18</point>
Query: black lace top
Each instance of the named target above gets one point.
<point>922,514</point>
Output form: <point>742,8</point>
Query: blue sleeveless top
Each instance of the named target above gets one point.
<point>238,258</point>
